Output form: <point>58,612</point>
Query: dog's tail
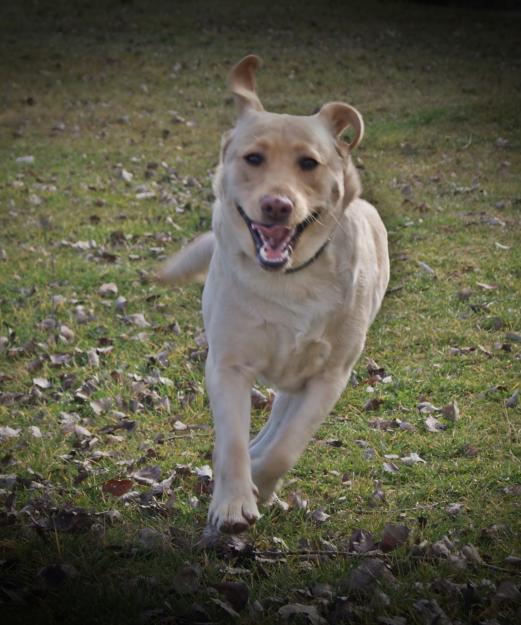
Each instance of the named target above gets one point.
<point>191,263</point>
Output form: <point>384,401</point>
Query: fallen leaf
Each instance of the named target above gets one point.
<point>56,574</point>
<point>298,501</point>
<point>83,315</point>
<point>100,406</point>
<point>93,358</point>
<point>426,407</point>
<point>412,459</point>
<point>361,541</point>
<point>392,620</point>
<point>493,324</point>
<point>108,289</point>
<point>471,554</point>
<point>66,334</point>
<point>513,561</point>
<point>454,509</point>
<point>434,425</point>
<point>393,536</point>
<point>378,493</point>
<point>383,424</point>
<point>513,400</point>
<point>237,593</point>
<point>451,411</point>
<point>147,475</point>
<point>464,294</point>
<point>363,579</point>
<point>25,160</point>
<point>117,488</point>
<point>42,383</point>
<point>390,467</point>
<point>35,431</point>
<point>426,268</point>
<point>430,612</point>
<point>369,453</point>
<point>309,611</point>
<point>137,319</point>
<point>204,472</point>
<point>442,548</point>
<point>259,400</point>
<point>332,442</point>
<point>120,303</point>
<point>126,175</point>
<point>508,591</point>
<point>151,539</point>
<point>373,404</point>
<point>319,516</point>
<point>187,580</point>
<point>226,607</point>
<point>8,432</point>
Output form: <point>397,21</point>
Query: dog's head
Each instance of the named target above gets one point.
<point>284,180</point>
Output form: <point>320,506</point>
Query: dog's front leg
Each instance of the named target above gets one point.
<point>234,502</point>
<point>276,454</point>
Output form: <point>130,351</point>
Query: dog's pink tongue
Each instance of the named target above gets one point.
<point>274,236</point>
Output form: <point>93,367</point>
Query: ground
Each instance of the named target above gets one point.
<point>110,121</point>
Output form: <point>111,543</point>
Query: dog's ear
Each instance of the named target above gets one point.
<point>242,84</point>
<point>339,116</point>
<point>225,142</point>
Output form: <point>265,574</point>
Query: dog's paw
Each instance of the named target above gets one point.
<point>266,486</point>
<point>233,513</point>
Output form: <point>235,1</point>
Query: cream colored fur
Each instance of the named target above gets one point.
<point>299,332</point>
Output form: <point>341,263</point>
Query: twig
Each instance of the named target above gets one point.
<point>493,567</point>
<point>368,554</point>
<point>190,435</point>
<point>417,508</point>
<point>319,552</point>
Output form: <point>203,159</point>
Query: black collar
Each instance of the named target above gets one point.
<point>310,260</point>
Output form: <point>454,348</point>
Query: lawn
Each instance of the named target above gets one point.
<point>405,507</point>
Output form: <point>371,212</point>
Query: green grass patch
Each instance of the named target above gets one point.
<point>141,87</point>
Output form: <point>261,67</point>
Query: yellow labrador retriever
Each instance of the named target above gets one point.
<point>297,268</point>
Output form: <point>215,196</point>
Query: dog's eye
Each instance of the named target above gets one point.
<point>307,163</point>
<point>254,159</point>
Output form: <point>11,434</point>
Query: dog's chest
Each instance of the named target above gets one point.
<point>293,355</point>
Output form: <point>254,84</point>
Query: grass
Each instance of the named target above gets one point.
<point>89,92</point>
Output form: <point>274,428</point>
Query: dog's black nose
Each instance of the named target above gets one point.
<point>276,208</point>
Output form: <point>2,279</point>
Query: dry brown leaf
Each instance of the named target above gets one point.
<point>117,488</point>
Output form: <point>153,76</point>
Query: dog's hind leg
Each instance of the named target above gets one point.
<point>305,413</point>
<point>279,409</point>
<point>189,264</point>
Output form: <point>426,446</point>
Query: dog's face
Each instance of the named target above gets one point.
<point>283,180</point>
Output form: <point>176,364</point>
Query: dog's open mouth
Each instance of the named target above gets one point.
<point>274,243</point>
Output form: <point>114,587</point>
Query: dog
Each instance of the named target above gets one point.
<point>297,266</point>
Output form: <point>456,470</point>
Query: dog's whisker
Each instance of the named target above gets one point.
<point>338,224</point>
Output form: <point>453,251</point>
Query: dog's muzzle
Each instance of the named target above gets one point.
<point>275,243</point>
